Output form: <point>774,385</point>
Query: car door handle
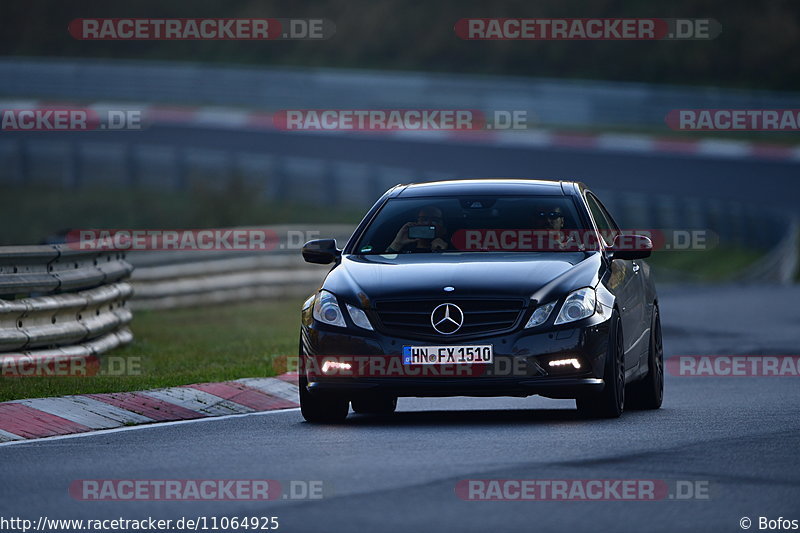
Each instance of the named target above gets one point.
<point>635,268</point>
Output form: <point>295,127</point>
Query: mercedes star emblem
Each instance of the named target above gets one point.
<point>447,318</point>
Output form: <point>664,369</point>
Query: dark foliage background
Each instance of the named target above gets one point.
<point>758,47</point>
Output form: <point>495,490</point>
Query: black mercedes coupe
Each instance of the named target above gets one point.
<point>485,287</point>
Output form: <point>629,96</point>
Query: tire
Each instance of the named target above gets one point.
<point>322,408</point>
<point>649,392</point>
<point>319,408</point>
<point>374,405</point>
<point>610,402</point>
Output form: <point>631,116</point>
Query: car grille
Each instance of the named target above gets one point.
<point>481,316</point>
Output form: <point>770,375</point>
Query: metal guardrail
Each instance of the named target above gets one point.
<point>781,264</point>
<point>56,268</point>
<point>222,280</point>
<point>182,279</point>
<point>56,301</point>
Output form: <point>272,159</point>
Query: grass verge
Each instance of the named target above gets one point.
<point>715,265</point>
<point>184,346</point>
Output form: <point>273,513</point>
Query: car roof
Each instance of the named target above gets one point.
<point>499,186</point>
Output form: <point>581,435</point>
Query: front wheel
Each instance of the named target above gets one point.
<point>649,392</point>
<point>322,408</point>
<point>610,402</point>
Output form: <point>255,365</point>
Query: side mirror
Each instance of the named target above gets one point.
<point>631,247</point>
<point>321,252</point>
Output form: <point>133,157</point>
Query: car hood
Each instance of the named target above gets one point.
<point>366,278</point>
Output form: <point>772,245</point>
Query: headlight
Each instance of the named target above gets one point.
<point>541,315</point>
<point>359,317</point>
<point>326,309</point>
<point>579,304</point>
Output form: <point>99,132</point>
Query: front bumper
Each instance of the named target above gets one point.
<point>520,366</point>
<point>551,387</point>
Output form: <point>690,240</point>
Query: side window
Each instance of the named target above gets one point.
<point>610,219</point>
<point>605,224</point>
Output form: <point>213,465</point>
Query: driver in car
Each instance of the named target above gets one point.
<point>550,221</point>
<point>406,240</point>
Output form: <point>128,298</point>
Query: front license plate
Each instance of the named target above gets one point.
<point>444,355</point>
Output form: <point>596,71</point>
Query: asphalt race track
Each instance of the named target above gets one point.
<point>739,437</point>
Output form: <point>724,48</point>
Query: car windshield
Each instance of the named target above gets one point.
<point>476,224</point>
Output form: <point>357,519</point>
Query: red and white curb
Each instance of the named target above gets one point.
<point>239,119</point>
<point>48,417</point>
